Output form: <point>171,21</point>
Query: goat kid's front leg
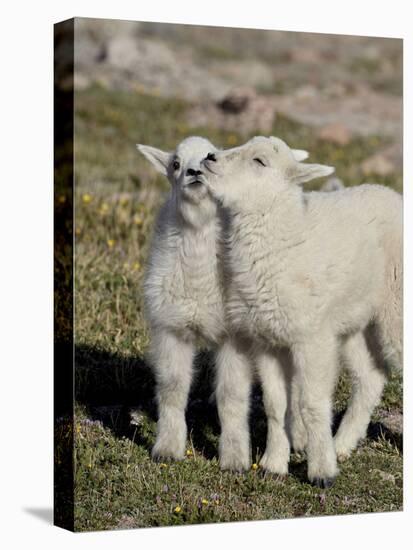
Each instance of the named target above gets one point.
<point>172,359</point>
<point>316,362</point>
<point>274,381</point>
<point>233,387</point>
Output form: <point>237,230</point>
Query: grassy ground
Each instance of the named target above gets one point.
<point>117,484</point>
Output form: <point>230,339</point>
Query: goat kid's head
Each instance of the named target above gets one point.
<point>256,171</point>
<point>183,167</point>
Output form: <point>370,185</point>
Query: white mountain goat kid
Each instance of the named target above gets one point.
<point>182,286</point>
<point>183,290</point>
<point>318,273</point>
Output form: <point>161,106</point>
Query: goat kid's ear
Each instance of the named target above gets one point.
<point>301,173</point>
<point>300,154</point>
<point>160,159</point>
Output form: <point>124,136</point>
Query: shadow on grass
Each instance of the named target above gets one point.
<point>111,386</point>
<point>375,432</point>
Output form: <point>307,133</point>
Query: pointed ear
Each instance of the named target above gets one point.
<point>160,159</point>
<point>300,154</point>
<point>302,172</point>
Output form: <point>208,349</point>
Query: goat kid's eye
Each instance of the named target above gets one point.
<point>259,161</point>
<point>176,165</point>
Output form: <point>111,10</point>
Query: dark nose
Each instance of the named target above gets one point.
<point>192,172</point>
<point>212,157</point>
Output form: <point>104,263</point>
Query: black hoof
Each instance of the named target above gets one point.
<point>323,482</point>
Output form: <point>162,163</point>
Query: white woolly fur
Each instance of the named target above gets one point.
<point>317,273</point>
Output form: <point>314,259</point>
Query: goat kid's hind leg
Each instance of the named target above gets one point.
<point>233,387</point>
<point>316,361</point>
<point>368,383</point>
<point>295,424</point>
<point>274,388</point>
<point>172,359</point>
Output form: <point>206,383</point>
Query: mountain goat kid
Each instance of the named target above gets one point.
<point>182,286</point>
<point>320,273</point>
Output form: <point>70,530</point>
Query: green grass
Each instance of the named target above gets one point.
<point>117,485</point>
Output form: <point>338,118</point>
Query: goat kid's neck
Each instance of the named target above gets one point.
<point>197,218</point>
<point>278,224</point>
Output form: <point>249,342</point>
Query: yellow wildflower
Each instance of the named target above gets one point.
<point>111,243</point>
<point>189,452</point>
<point>89,465</point>
<point>232,139</point>
<point>163,465</point>
<point>254,466</point>
<point>136,266</point>
<point>177,510</point>
<point>87,198</point>
<point>205,501</point>
<point>137,220</point>
<point>104,207</point>
<point>78,428</point>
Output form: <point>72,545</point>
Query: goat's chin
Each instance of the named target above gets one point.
<point>198,211</point>
<point>194,194</point>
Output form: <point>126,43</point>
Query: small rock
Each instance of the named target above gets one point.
<point>88,52</point>
<point>122,52</point>
<point>126,522</point>
<point>304,55</point>
<point>242,110</point>
<point>392,420</point>
<point>81,81</point>
<point>378,164</point>
<point>137,417</point>
<point>335,90</point>
<point>385,476</point>
<point>306,92</point>
<point>235,103</point>
<point>336,133</point>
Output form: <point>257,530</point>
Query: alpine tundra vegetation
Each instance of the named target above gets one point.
<point>117,196</point>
